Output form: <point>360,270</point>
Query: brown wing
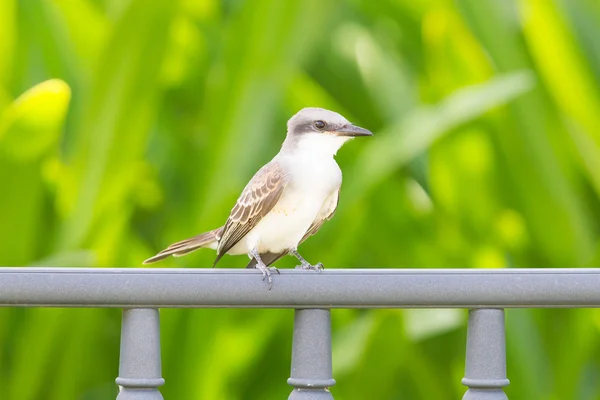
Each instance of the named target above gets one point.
<point>326,214</point>
<point>258,198</point>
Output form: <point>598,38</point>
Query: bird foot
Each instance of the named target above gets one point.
<point>266,272</point>
<point>317,267</point>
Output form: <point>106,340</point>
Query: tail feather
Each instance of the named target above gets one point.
<point>186,246</point>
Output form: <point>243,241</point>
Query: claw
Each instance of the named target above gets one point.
<point>305,264</point>
<point>260,265</point>
<point>317,267</point>
<point>266,273</point>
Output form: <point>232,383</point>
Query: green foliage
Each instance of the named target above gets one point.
<point>486,155</point>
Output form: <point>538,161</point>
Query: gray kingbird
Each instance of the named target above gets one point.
<point>287,200</point>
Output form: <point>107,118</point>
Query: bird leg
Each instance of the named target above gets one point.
<point>305,264</point>
<point>260,265</point>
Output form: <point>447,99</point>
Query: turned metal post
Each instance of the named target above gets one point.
<point>485,370</point>
<point>311,374</point>
<point>139,367</point>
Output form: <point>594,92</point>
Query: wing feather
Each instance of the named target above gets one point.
<point>326,214</point>
<point>258,198</point>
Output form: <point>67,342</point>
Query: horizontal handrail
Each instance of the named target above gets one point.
<point>332,288</point>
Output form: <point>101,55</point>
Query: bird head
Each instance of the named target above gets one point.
<point>320,131</point>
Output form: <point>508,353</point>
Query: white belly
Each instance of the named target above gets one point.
<point>300,203</point>
<point>284,227</point>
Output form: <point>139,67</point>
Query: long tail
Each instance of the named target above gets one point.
<point>206,239</point>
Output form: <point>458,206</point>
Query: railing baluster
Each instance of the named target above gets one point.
<point>485,370</point>
<point>311,374</point>
<point>139,367</point>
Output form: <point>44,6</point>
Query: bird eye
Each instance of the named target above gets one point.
<point>320,124</point>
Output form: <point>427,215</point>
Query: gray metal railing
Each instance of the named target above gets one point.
<point>141,292</point>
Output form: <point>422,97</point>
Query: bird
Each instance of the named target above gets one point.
<point>287,200</point>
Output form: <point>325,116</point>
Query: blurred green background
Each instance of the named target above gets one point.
<point>126,125</point>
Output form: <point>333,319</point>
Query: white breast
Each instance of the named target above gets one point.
<point>312,181</point>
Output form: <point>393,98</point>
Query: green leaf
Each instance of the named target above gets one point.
<point>32,124</point>
<point>398,144</point>
<point>8,22</point>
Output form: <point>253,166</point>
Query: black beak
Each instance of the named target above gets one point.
<point>353,131</point>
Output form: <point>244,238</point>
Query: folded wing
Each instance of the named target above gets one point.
<point>326,214</point>
<point>258,198</point>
